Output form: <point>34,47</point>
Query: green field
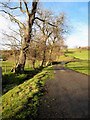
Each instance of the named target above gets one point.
<point>82,61</point>
<point>81,67</point>
<point>8,65</point>
<point>79,54</point>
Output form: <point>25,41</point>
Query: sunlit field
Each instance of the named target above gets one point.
<point>82,63</point>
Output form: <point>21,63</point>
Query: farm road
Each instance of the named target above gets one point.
<point>66,97</point>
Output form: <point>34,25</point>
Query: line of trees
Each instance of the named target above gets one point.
<point>40,35</point>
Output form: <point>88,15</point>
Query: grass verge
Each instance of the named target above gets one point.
<point>80,66</point>
<point>22,101</point>
<point>82,63</point>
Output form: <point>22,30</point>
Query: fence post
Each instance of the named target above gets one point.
<point>5,68</point>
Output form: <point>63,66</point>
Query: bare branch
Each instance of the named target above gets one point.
<point>45,21</point>
<point>11,45</point>
<point>21,9</point>
<point>14,19</point>
<point>34,7</point>
<point>14,31</point>
<point>49,34</point>
<point>11,8</point>
<point>25,3</point>
<point>11,37</point>
<point>38,25</point>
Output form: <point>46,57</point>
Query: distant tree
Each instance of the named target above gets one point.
<point>13,43</point>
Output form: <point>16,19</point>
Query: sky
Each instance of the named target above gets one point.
<point>77,19</point>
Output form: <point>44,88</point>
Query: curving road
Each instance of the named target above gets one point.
<point>66,97</point>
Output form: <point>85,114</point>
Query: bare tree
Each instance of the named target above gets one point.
<point>25,28</point>
<point>44,21</point>
<point>45,25</point>
<point>52,29</point>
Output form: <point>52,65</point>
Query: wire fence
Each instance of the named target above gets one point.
<point>7,68</point>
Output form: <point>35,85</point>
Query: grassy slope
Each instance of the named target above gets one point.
<point>22,101</point>
<point>80,54</point>
<point>81,65</point>
<point>11,80</point>
<point>65,58</point>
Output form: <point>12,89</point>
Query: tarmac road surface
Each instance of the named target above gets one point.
<point>66,96</point>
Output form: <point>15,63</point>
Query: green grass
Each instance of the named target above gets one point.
<point>8,65</point>
<point>10,80</point>
<point>80,54</point>
<point>65,58</point>
<point>81,66</point>
<point>22,101</point>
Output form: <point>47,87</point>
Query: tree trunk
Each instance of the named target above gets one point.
<point>21,63</point>
<point>19,68</point>
<point>26,38</point>
<point>34,61</point>
<point>44,57</point>
<point>50,58</point>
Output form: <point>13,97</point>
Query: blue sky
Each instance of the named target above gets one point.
<point>75,10</point>
<point>77,17</point>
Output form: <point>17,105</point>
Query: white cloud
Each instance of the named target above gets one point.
<point>5,24</point>
<point>79,37</point>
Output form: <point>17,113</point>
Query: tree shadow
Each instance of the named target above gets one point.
<point>11,80</point>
